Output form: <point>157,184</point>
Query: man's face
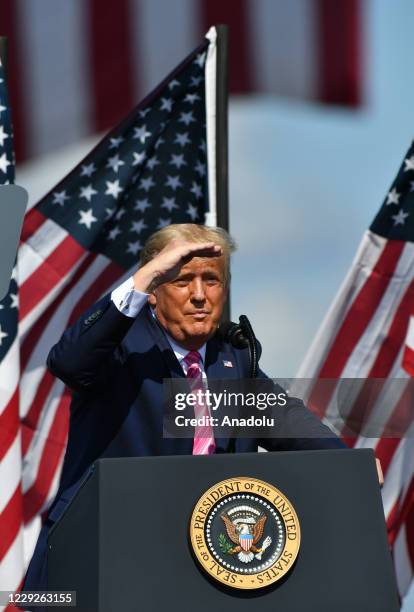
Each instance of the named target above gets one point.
<point>189,307</point>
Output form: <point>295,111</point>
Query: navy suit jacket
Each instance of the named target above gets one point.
<point>115,366</point>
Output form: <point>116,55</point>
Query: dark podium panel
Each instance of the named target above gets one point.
<point>123,542</point>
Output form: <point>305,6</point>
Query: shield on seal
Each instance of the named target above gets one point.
<point>246,540</point>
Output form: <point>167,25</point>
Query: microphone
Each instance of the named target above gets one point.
<point>233,333</point>
<point>241,335</point>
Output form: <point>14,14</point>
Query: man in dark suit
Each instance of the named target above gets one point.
<point>160,323</point>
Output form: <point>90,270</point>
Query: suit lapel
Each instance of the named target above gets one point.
<point>220,366</point>
<point>172,369</point>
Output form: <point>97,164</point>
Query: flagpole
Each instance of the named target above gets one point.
<point>3,52</point>
<point>222,99</point>
<point>222,164</point>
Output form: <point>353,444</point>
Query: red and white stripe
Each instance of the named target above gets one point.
<point>363,336</point>
<point>78,67</point>
<point>11,497</point>
<point>409,348</point>
<point>59,280</point>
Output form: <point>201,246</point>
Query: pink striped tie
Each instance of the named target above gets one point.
<point>203,436</point>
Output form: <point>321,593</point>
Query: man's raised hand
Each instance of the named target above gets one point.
<point>167,264</point>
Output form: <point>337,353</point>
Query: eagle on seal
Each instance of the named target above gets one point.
<point>245,536</point>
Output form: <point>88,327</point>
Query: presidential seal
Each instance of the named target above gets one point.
<point>245,533</point>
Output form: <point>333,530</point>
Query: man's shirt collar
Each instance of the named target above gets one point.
<point>180,352</point>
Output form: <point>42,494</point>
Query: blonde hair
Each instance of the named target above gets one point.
<point>190,232</point>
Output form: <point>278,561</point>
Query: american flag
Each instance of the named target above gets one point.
<point>364,336</point>
<point>11,499</point>
<point>100,56</point>
<point>78,242</point>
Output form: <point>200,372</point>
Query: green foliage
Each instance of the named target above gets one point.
<point>224,544</point>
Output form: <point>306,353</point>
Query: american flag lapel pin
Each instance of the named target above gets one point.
<point>227,364</point>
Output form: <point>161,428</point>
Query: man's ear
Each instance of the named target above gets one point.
<point>152,300</point>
